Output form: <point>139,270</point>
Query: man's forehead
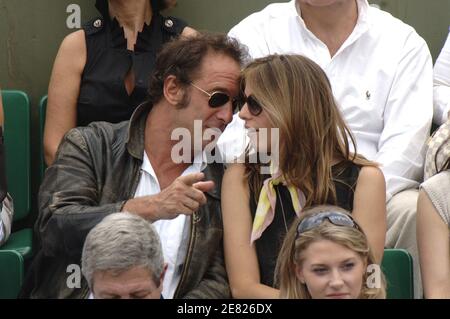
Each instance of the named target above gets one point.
<point>112,284</point>
<point>215,62</point>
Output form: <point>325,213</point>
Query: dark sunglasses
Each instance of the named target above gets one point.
<point>218,99</point>
<point>253,105</point>
<point>338,219</point>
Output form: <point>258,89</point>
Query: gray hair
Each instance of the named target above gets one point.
<point>119,242</point>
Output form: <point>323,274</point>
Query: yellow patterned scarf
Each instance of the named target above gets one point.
<point>265,210</point>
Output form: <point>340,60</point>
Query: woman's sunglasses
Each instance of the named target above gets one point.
<point>219,99</point>
<point>253,105</point>
<point>336,218</point>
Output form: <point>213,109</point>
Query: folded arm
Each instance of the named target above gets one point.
<point>407,119</point>
<point>442,85</point>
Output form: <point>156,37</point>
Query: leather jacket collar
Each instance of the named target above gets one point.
<point>136,141</point>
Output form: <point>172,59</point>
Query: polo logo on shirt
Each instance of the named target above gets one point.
<point>368,95</point>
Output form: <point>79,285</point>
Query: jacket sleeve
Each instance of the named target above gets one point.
<point>69,199</point>
<point>214,284</point>
<point>442,84</point>
<point>252,32</point>
<point>407,118</point>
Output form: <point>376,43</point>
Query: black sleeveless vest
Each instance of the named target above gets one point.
<point>103,96</point>
<point>345,176</point>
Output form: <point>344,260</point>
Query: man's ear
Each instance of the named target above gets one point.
<point>173,90</point>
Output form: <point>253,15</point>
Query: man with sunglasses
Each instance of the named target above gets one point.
<point>135,167</point>
<point>381,73</point>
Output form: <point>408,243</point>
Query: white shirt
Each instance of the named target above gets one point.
<point>174,233</point>
<point>381,77</point>
<point>6,218</point>
<point>2,235</point>
<point>442,84</point>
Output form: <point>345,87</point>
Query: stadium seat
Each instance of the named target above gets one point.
<point>17,147</point>
<point>42,113</point>
<point>11,273</point>
<point>398,268</point>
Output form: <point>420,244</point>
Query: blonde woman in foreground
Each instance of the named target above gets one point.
<point>326,255</point>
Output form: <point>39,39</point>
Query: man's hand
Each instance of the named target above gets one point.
<point>183,196</point>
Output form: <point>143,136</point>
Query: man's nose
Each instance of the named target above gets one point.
<point>226,113</point>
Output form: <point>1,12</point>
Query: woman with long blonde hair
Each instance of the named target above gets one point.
<point>310,163</point>
<point>325,255</point>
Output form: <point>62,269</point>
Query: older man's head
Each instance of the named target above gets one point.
<point>122,259</point>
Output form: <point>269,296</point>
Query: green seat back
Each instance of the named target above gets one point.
<point>21,241</point>
<point>398,268</point>
<point>17,147</point>
<point>42,113</point>
<point>11,273</point>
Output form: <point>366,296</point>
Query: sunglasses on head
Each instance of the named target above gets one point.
<point>336,218</point>
<point>219,99</point>
<point>253,105</point>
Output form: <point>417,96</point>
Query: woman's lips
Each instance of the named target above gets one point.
<point>338,295</point>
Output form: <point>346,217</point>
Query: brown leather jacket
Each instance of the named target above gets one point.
<point>97,169</point>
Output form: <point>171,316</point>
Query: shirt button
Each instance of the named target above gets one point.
<point>98,23</point>
<point>168,23</point>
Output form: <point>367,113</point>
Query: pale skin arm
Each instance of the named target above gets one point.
<point>241,260</point>
<point>369,208</point>
<point>434,249</point>
<point>63,92</point>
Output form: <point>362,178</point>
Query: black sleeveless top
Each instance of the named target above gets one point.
<point>103,96</point>
<point>345,176</point>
